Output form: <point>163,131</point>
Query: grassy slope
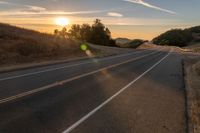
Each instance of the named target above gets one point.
<point>18,45</point>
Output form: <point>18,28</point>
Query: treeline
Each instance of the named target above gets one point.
<point>177,37</point>
<point>96,33</point>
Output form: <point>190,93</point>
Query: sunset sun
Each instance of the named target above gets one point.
<point>62,21</point>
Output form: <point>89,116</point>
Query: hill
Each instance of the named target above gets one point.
<point>21,45</point>
<point>179,37</point>
<point>122,40</point>
<point>136,43</point>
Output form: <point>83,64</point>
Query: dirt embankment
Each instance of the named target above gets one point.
<point>192,71</point>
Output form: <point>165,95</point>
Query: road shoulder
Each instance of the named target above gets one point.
<point>192,83</point>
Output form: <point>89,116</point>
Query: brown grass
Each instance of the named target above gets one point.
<point>197,68</point>
<point>18,45</point>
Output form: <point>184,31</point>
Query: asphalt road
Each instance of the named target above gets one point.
<point>137,92</point>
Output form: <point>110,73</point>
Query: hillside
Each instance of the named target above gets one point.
<point>179,37</point>
<point>19,45</point>
<point>136,43</point>
<point>122,40</point>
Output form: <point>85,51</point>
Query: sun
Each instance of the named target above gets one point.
<point>62,21</point>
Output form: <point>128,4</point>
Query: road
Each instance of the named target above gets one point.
<point>137,92</point>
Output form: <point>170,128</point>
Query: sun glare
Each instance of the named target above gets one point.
<point>62,21</point>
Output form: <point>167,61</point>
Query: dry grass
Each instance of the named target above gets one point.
<point>196,50</point>
<point>193,94</point>
<point>196,68</point>
<point>194,47</point>
<point>148,45</point>
<point>18,45</point>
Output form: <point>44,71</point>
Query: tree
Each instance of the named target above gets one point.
<point>100,34</point>
<point>56,32</point>
<point>74,32</point>
<point>97,33</point>
<point>86,32</point>
<point>63,33</point>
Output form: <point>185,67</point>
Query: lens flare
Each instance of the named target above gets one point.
<point>84,47</point>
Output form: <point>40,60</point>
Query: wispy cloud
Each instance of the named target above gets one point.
<point>141,2</point>
<point>28,8</point>
<point>39,12</point>
<point>114,14</point>
<point>36,10</point>
<point>4,2</point>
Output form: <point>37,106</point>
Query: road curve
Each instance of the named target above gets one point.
<point>138,92</point>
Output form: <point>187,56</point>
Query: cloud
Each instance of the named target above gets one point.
<point>141,2</point>
<point>114,14</point>
<point>3,2</point>
<point>28,8</point>
<point>46,12</point>
<point>36,10</point>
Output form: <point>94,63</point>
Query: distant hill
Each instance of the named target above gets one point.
<point>136,43</point>
<point>22,45</point>
<point>122,40</point>
<point>179,37</point>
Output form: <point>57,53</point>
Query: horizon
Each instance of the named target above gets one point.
<point>144,19</point>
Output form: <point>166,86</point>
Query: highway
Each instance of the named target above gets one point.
<point>136,92</point>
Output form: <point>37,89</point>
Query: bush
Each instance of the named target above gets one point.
<point>174,37</point>
<point>195,29</point>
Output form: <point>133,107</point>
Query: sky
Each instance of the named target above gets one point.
<point>132,19</point>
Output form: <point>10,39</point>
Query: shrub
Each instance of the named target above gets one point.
<point>175,37</point>
<point>195,29</point>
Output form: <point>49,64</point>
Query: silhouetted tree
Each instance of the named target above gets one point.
<point>74,32</point>
<point>86,32</point>
<point>56,32</point>
<point>63,33</point>
<point>100,34</point>
<point>97,33</point>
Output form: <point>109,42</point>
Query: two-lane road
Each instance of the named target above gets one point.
<point>135,92</point>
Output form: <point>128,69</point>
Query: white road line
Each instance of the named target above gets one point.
<point>68,80</point>
<point>76,124</point>
<point>58,68</point>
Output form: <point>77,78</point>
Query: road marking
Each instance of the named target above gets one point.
<point>68,80</point>
<point>76,124</point>
<point>58,68</point>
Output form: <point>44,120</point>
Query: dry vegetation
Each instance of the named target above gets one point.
<point>193,93</point>
<point>18,45</point>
